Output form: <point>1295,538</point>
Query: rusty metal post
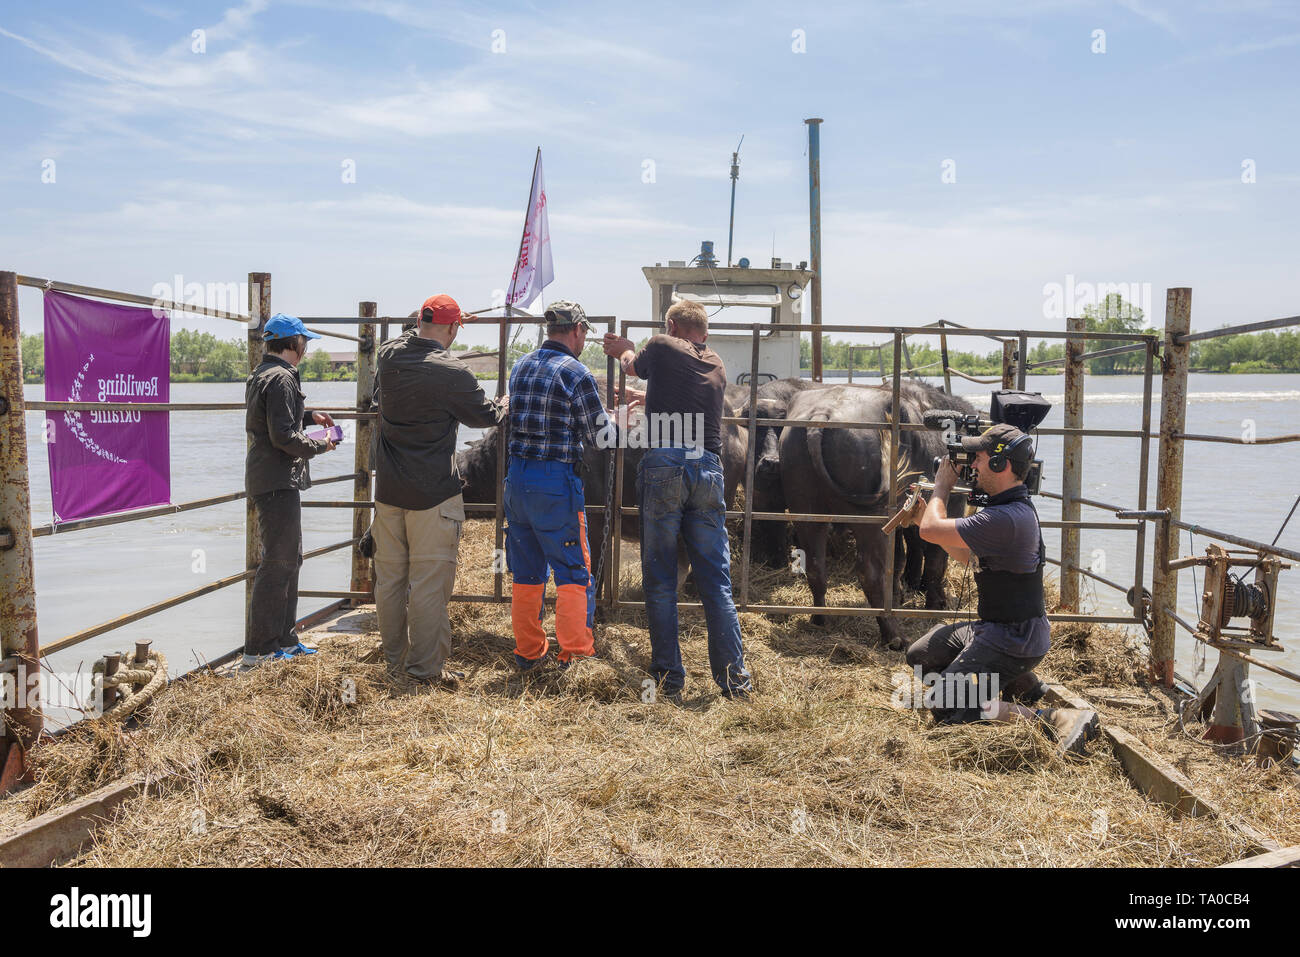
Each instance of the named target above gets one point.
<point>895,415</point>
<point>815,240</point>
<point>142,651</point>
<point>259,310</point>
<point>1144,465</point>
<point>751,454</point>
<point>1072,467</point>
<point>943,360</point>
<point>363,575</point>
<point>609,526</point>
<point>617,499</point>
<point>18,636</point>
<point>498,564</point>
<point>1169,483</point>
<point>1008,365</point>
<point>1022,361</point>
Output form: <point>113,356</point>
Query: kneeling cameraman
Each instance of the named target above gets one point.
<point>1012,634</point>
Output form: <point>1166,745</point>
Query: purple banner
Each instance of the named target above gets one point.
<point>102,462</point>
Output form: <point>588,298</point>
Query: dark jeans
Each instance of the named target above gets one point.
<point>953,650</point>
<point>680,494</point>
<point>273,611</point>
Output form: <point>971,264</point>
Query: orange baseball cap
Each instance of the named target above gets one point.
<point>442,310</point>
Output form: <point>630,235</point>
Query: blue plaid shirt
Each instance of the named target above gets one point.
<point>554,405</point>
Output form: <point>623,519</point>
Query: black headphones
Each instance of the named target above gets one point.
<point>998,460</point>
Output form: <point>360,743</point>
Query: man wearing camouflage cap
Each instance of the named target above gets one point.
<point>554,405</point>
<point>1012,634</point>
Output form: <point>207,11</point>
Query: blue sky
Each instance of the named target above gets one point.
<point>1122,167</point>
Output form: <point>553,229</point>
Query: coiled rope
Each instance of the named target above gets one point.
<point>138,684</point>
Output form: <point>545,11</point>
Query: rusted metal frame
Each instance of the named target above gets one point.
<point>920,330</point>
<point>1189,337</point>
<point>1085,501</point>
<point>1088,356</point>
<point>1169,482</point>
<point>359,506</point>
<point>115,295</point>
<point>818,518</point>
<point>363,573</point>
<point>617,500</point>
<point>815,242</point>
<point>849,610</point>
<point>1072,466</point>
<point>41,531</point>
<point>610,529</point>
<point>18,632</point>
<point>1144,466</point>
<point>943,359</point>
<point>1228,650</point>
<point>259,310</point>
<point>356,597</point>
<point>895,415</point>
<point>1290,553</point>
<point>814,423</point>
<point>130,617</point>
<point>970,378</point>
<point>948,323</point>
<point>907,358</point>
<point>1008,364</point>
<point>503,352</point>
<point>334,335</point>
<point>44,406</point>
<point>1022,348</point>
<point>751,453</point>
<point>1095,577</point>
<point>1233,440</point>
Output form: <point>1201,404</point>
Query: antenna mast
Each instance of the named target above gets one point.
<point>735,175</point>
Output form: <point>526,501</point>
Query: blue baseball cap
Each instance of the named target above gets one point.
<point>281,326</point>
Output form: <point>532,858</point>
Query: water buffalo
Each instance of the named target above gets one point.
<point>846,471</point>
<point>927,563</point>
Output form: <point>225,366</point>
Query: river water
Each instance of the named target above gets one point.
<point>87,577</point>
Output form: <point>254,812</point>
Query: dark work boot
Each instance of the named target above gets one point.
<point>1028,690</point>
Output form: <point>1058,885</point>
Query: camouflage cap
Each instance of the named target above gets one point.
<point>996,439</point>
<point>562,312</point>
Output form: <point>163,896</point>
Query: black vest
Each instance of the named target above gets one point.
<point>1009,597</point>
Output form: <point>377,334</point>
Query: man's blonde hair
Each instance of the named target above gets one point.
<point>689,317</point>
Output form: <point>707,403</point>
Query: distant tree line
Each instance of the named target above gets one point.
<point>1258,352</point>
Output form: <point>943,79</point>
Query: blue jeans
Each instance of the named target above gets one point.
<point>680,494</point>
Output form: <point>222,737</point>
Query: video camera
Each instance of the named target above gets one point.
<point>1024,410</point>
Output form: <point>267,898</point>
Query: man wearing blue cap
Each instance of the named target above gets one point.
<point>275,474</point>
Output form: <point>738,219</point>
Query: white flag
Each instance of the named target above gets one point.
<point>533,269</point>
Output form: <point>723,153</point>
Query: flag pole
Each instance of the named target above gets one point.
<point>528,211</point>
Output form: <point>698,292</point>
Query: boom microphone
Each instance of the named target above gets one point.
<point>942,419</point>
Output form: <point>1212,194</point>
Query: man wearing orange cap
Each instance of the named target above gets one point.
<point>423,394</point>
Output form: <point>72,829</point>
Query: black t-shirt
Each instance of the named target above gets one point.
<point>684,398</point>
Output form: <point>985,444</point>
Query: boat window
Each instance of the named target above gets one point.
<point>727,294</point>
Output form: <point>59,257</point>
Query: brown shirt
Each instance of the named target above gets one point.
<point>687,378</point>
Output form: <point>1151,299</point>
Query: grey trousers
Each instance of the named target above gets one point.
<point>415,572</point>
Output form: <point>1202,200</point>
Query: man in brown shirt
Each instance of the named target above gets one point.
<point>680,490</point>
